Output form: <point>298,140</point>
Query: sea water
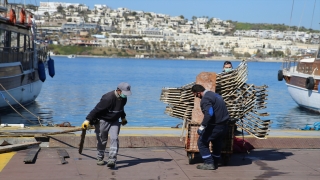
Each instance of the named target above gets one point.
<point>80,82</point>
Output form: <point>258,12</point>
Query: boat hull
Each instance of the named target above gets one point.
<point>309,99</point>
<point>20,82</point>
<point>72,56</point>
<point>25,94</point>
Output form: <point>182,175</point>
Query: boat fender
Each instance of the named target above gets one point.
<point>280,75</point>
<point>307,127</point>
<point>316,126</point>
<point>22,16</point>
<point>12,16</point>
<point>310,83</point>
<point>319,87</point>
<point>51,67</point>
<point>41,71</point>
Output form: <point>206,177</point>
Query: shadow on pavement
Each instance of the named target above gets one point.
<point>133,162</point>
<point>256,156</point>
<point>241,159</point>
<point>88,156</point>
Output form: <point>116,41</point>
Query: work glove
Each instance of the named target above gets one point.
<point>124,121</point>
<point>200,130</point>
<point>85,124</point>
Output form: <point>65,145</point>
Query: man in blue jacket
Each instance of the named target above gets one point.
<point>105,117</point>
<point>213,126</point>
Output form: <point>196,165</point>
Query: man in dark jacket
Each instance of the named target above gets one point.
<point>105,117</point>
<point>213,126</point>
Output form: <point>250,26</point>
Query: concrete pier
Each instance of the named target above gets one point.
<point>157,153</point>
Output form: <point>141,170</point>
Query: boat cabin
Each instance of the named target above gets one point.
<point>310,65</point>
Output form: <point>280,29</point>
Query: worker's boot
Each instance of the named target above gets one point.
<point>216,162</point>
<point>207,165</point>
<point>111,162</point>
<point>100,162</point>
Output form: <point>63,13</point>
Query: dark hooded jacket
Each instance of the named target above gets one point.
<point>214,109</point>
<point>110,108</point>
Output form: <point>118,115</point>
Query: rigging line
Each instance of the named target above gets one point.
<point>314,6</point>
<point>291,14</point>
<point>22,115</point>
<point>18,102</point>
<point>302,14</point>
<point>7,101</point>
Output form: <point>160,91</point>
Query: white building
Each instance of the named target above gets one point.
<point>51,7</point>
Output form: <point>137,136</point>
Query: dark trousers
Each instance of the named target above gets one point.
<point>215,135</point>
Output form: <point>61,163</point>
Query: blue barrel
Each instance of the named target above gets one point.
<point>41,71</point>
<point>51,67</point>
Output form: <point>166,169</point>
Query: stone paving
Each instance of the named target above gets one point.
<point>170,163</point>
<point>158,153</point>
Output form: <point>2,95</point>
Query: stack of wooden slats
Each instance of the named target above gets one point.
<point>180,101</point>
<point>244,101</point>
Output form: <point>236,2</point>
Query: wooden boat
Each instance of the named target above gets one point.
<point>22,61</point>
<point>302,78</point>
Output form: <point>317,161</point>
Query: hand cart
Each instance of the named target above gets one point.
<point>191,145</point>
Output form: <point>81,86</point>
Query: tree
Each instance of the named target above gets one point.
<point>194,18</point>
<point>47,15</point>
<point>226,45</point>
<point>246,54</point>
<point>70,7</point>
<point>60,9</point>
<point>207,25</point>
<point>33,7</point>
<point>181,16</point>
<point>288,52</point>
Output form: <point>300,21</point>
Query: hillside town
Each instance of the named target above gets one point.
<point>77,25</point>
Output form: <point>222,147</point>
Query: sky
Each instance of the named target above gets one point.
<point>305,12</point>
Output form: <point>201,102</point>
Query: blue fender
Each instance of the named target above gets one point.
<point>316,126</point>
<point>41,71</point>
<point>307,128</point>
<point>51,67</point>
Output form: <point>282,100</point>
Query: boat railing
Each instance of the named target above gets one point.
<point>15,54</point>
<point>288,64</point>
<point>3,3</point>
<point>42,53</point>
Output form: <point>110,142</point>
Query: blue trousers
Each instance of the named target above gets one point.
<point>215,135</point>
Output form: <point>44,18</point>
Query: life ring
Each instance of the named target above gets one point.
<point>22,16</point>
<point>280,75</point>
<point>310,83</point>
<point>12,16</point>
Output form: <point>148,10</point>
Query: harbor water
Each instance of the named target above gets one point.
<point>80,82</point>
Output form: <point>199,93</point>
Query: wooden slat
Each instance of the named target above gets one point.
<point>62,155</point>
<point>32,153</point>
<point>15,147</point>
